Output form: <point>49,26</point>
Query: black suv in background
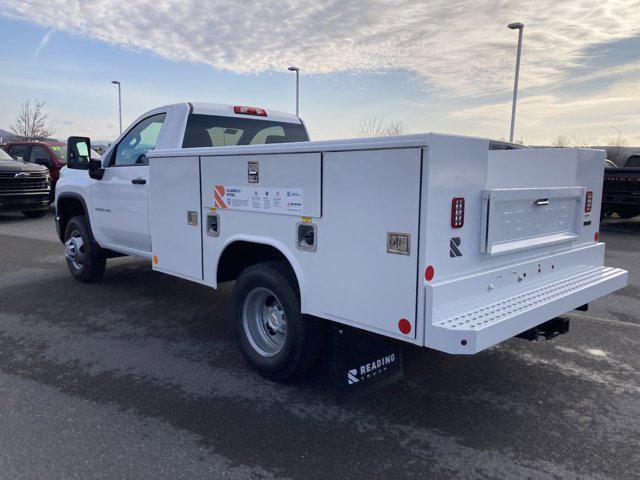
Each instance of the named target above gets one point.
<point>24,187</point>
<point>621,189</point>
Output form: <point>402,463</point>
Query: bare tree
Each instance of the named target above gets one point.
<point>32,123</point>
<point>582,141</point>
<point>378,127</point>
<point>396,128</point>
<point>572,141</point>
<point>615,149</point>
<point>561,141</point>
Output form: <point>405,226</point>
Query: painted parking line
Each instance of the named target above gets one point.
<point>600,319</point>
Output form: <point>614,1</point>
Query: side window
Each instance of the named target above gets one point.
<point>37,152</point>
<point>133,148</point>
<point>18,151</point>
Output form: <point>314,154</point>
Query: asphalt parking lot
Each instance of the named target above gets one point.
<point>139,378</point>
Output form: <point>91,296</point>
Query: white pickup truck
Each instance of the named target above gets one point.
<point>436,240</point>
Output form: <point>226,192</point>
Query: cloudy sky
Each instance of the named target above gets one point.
<point>434,65</point>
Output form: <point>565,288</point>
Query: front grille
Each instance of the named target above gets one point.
<point>9,182</point>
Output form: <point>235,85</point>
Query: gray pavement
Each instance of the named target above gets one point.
<point>138,377</point>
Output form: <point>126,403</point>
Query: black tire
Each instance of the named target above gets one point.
<point>35,213</point>
<point>304,335</point>
<point>627,213</point>
<point>91,267</point>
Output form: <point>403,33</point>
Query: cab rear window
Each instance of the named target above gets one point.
<point>219,131</point>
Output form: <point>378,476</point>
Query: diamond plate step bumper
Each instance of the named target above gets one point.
<point>492,318</point>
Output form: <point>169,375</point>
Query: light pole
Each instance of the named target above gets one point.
<point>297,70</point>
<point>117,82</point>
<point>619,134</point>
<point>520,27</point>
<point>619,140</point>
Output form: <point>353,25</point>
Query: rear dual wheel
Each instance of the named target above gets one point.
<point>274,337</point>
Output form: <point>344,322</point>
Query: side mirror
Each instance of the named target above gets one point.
<point>78,153</point>
<point>45,162</point>
<point>95,169</point>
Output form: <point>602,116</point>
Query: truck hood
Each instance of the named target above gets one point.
<point>17,166</point>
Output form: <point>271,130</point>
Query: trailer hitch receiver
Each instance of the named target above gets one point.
<point>548,330</point>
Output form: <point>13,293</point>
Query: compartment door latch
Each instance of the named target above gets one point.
<point>213,225</point>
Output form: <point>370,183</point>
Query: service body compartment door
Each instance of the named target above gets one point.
<point>258,198</point>
<point>517,219</point>
<point>175,216</point>
<point>366,264</point>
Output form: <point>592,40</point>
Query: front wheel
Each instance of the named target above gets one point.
<point>85,258</point>
<point>274,337</point>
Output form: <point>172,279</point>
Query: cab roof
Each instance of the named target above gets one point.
<point>228,111</point>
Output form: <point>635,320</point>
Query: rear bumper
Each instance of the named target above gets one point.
<point>22,201</point>
<point>477,322</point>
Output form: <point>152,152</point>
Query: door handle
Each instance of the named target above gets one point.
<point>138,181</point>
<point>542,201</point>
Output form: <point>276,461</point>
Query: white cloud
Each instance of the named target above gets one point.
<point>545,116</point>
<point>45,40</point>
<point>459,48</point>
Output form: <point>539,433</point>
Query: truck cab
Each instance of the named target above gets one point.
<point>113,192</point>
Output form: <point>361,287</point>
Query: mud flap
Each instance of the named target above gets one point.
<point>361,359</point>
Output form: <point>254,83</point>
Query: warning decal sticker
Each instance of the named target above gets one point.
<point>286,201</point>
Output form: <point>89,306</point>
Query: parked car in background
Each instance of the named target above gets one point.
<point>51,155</point>
<point>24,187</point>
<point>621,189</point>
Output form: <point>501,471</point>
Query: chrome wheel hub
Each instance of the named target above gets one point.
<point>74,250</point>
<point>264,321</point>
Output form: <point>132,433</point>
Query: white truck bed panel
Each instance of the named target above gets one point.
<point>523,218</point>
<point>176,234</point>
<point>277,173</point>
<point>527,257</point>
<point>365,197</point>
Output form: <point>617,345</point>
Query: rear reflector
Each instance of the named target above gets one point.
<point>457,212</point>
<point>588,202</point>
<point>260,112</point>
<point>429,273</point>
<point>404,326</point>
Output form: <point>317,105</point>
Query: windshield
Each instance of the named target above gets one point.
<point>633,161</point>
<point>4,155</point>
<point>61,152</point>
<point>219,131</point>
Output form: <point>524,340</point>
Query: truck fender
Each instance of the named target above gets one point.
<point>62,216</point>
<point>281,247</point>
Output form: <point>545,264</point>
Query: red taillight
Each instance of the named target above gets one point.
<point>457,212</point>
<point>588,202</point>
<point>260,112</point>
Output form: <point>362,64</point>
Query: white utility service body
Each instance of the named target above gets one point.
<point>390,253</point>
